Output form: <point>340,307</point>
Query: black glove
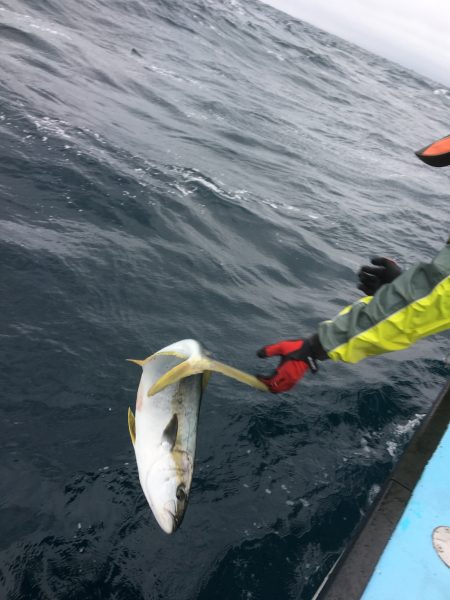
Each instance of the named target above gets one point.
<point>372,278</point>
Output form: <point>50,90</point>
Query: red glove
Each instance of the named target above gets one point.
<point>297,357</point>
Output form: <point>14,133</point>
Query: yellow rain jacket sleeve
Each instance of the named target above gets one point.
<point>416,304</point>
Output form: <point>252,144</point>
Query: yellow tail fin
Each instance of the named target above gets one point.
<point>199,365</point>
<point>242,376</point>
<point>141,363</point>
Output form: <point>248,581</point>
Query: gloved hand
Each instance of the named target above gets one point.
<point>297,356</point>
<point>372,278</point>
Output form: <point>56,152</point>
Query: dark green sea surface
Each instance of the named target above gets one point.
<point>207,169</point>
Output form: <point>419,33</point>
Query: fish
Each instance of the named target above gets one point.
<point>163,429</point>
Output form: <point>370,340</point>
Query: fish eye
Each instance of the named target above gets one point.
<point>181,494</point>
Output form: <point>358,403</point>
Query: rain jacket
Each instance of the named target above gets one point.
<point>416,304</point>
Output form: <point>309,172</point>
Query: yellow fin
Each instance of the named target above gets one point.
<point>199,365</point>
<point>237,374</point>
<point>141,363</point>
<point>184,369</point>
<point>131,425</point>
<point>205,379</point>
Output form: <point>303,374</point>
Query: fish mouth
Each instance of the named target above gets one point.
<point>163,496</point>
<point>175,522</point>
<point>172,519</point>
<point>168,521</point>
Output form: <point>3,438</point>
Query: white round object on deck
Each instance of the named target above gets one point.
<point>441,543</point>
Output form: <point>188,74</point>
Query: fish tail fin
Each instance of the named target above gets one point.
<point>200,365</point>
<point>141,363</point>
<point>242,376</point>
<point>184,369</point>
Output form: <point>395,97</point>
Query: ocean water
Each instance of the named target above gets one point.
<point>205,169</point>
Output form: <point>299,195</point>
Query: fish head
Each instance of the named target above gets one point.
<point>166,489</point>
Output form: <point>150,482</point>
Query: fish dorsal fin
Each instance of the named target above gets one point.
<point>199,365</point>
<point>169,436</point>
<point>131,425</point>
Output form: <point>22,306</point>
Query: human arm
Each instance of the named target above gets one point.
<point>415,305</point>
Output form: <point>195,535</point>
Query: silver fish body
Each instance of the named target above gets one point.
<point>164,428</point>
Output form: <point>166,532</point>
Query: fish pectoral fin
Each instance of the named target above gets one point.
<point>169,436</point>
<point>184,369</point>
<point>251,380</point>
<point>131,425</point>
